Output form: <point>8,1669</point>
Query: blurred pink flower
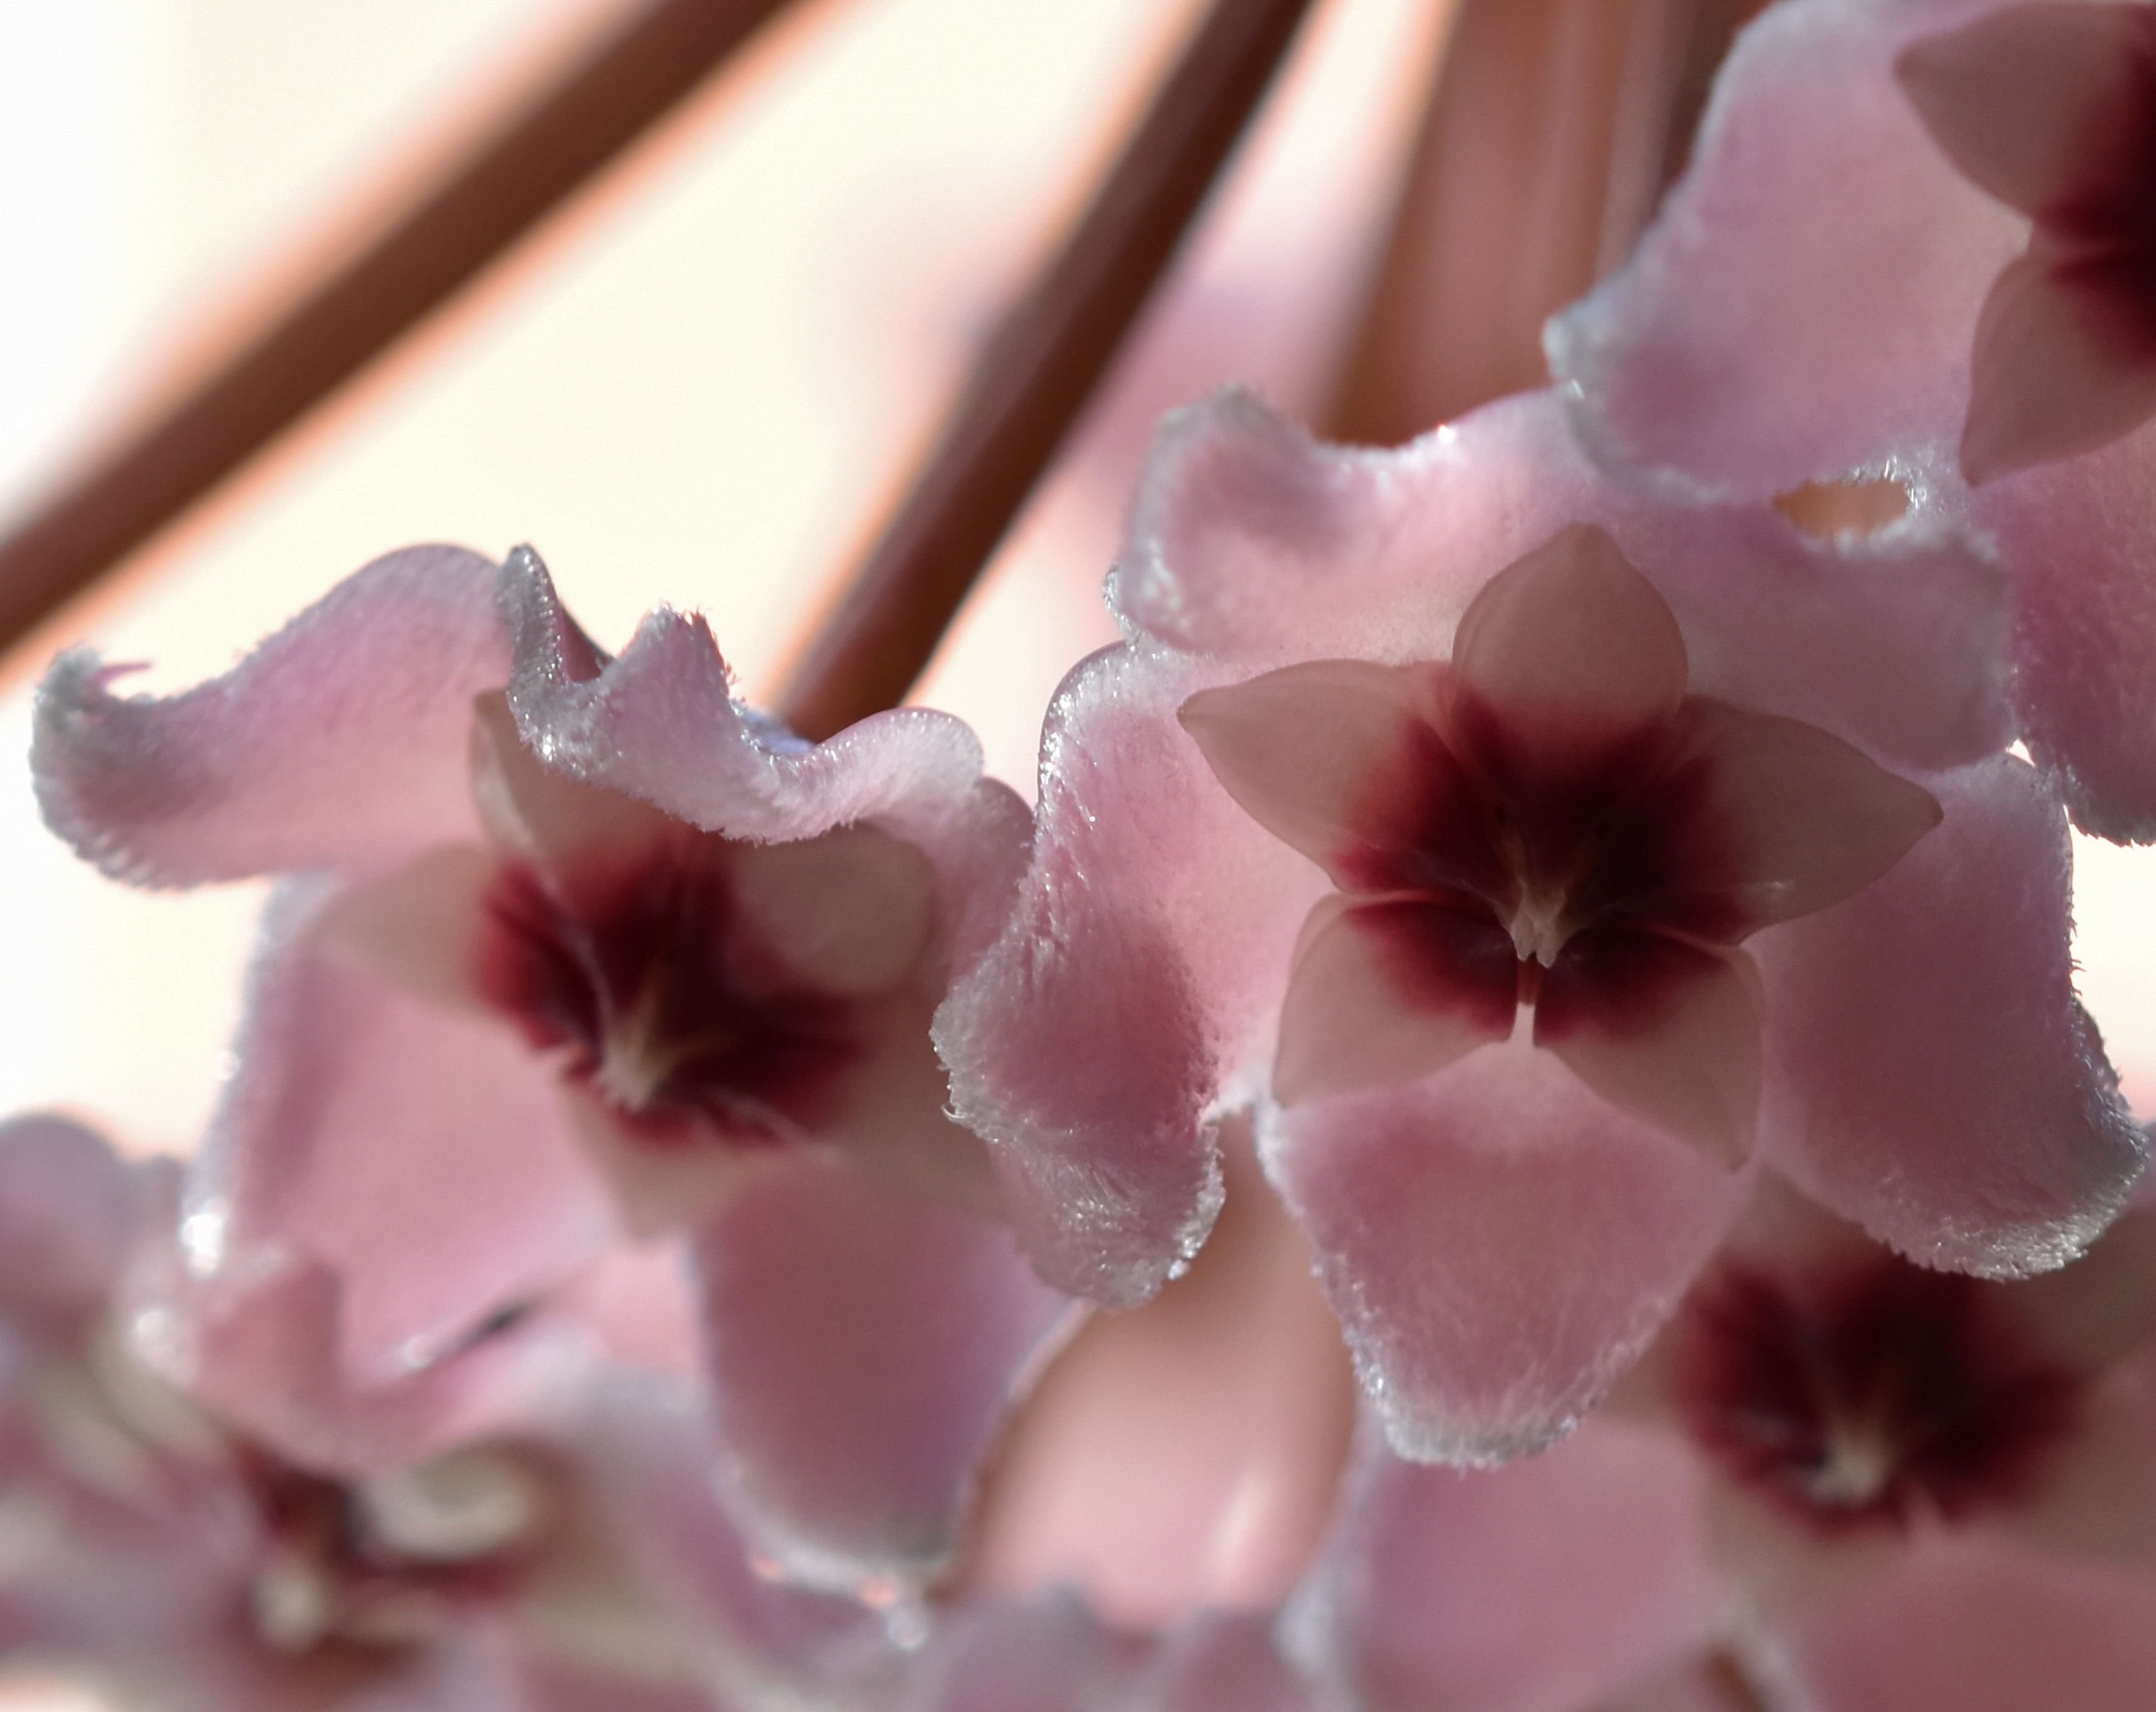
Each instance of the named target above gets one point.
<point>189,1565</point>
<point>1872,1432</point>
<point>1499,1239</point>
<point>627,958</point>
<point>1912,318</point>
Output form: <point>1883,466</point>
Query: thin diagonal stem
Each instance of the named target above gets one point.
<point>1037,373</point>
<point>640,71</point>
<point>1553,127</point>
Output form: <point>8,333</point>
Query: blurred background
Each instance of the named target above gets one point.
<point>703,381</point>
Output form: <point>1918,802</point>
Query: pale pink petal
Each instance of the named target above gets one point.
<point>338,742</point>
<point>419,928</point>
<point>1897,641</point>
<point>2078,534</point>
<point>1986,1629</point>
<point>2064,361</point>
<point>1184,1455</point>
<point>2035,103</point>
<point>863,1346</point>
<point>1388,991</point>
<point>1663,1030</point>
<point>2096,1496</point>
<point>1153,934</point>
<point>1329,755</point>
<point>1247,537</point>
<point>659,1187</point>
<point>1541,1585</point>
<point>1223,1662</point>
<point>659,723</point>
<point>1571,645</point>
<point>420,1155</point>
<point>539,813</point>
<point>1929,1071</point>
<point>1499,1242</point>
<point>1810,820</point>
<point>647,1454</point>
<point>1803,305</point>
<point>2100,1310</point>
<point>851,912</point>
<point>70,1211</point>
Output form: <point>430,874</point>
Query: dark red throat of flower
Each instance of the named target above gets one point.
<point>647,978</point>
<point>1884,1394</point>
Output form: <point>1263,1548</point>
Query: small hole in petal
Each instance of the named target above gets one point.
<point>1828,510</point>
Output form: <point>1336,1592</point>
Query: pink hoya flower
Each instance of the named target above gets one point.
<point>1915,242</point>
<point>574,946</point>
<point>183,1565</point>
<point>1932,1489</point>
<point>1526,879</point>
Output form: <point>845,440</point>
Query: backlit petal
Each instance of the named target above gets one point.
<point>419,1154</point>
<point>1804,304</point>
<point>1810,819</point>
<point>862,1345</point>
<point>1571,645</point>
<point>1499,1242</point>
<point>337,742</point>
<point>851,912</point>
<point>1329,755</point>
<point>1152,933</point>
<point>1669,1031</point>
<point>1930,1073</point>
<point>1388,991</point>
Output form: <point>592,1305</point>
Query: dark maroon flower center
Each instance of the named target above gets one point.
<point>1882,1394</point>
<point>649,979</point>
<point>2100,236</point>
<point>1573,873</point>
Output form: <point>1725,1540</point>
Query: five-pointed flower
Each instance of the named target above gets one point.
<point>1396,759</point>
<point>706,965</point>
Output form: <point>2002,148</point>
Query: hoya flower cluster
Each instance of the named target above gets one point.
<point>1617,938</point>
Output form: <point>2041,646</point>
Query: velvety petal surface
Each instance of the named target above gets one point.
<point>1897,641</point>
<point>1499,1242</point>
<point>420,1156</point>
<point>1542,1584</point>
<point>1152,934</point>
<point>1805,303</point>
<point>2078,533</point>
<point>1930,1073</point>
<point>863,1345</point>
<point>338,742</point>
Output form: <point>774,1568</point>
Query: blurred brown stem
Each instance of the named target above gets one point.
<point>1552,128</point>
<point>1037,373</point>
<point>481,206</point>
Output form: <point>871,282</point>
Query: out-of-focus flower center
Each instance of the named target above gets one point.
<point>648,979</point>
<point>385,1562</point>
<point>1874,1399</point>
